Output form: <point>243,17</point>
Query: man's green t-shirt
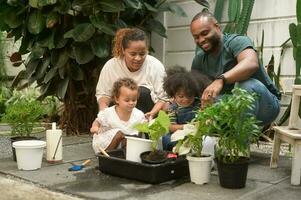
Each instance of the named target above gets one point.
<point>214,65</point>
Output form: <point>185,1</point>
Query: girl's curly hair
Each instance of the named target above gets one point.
<point>126,82</point>
<point>124,36</point>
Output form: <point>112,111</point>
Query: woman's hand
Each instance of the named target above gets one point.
<point>149,116</point>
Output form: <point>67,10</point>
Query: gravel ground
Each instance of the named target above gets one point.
<point>267,147</point>
<point>5,147</point>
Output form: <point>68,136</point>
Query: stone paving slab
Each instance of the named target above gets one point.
<point>282,191</point>
<point>17,189</point>
<point>89,183</point>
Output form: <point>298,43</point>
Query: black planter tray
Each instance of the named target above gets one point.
<point>151,173</point>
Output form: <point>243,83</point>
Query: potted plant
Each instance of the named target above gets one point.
<point>155,129</point>
<point>22,116</point>
<point>191,141</point>
<point>235,125</point>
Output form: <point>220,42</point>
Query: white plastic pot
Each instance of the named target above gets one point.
<point>135,146</point>
<point>199,169</point>
<point>29,154</point>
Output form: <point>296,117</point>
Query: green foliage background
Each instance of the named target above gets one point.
<point>68,41</point>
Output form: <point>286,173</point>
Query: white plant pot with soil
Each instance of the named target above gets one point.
<point>29,154</point>
<point>199,168</point>
<point>135,146</point>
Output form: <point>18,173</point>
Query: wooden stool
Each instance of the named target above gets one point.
<point>292,135</point>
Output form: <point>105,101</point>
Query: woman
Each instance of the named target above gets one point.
<point>131,60</point>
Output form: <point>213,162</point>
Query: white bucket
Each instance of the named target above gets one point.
<point>29,154</point>
<point>199,169</point>
<point>135,146</point>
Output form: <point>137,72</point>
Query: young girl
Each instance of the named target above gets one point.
<point>185,89</point>
<point>113,123</point>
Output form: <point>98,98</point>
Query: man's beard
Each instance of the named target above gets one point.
<point>214,42</point>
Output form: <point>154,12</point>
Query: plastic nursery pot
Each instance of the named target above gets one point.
<point>135,146</point>
<point>19,138</point>
<point>154,157</point>
<point>199,168</point>
<point>29,154</point>
<point>233,175</point>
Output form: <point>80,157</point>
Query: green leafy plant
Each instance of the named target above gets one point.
<point>156,128</point>
<point>191,138</point>
<point>23,116</point>
<point>68,41</point>
<point>231,121</point>
<point>234,124</point>
<point>5,94</point>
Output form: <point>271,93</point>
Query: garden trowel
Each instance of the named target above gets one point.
<point>79,167</point>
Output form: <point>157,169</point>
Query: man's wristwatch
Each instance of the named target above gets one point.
<point>223,78</point>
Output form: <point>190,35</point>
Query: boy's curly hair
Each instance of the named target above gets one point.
<point>191,83</point>
<point>124,36</point>
<point>126,82</point>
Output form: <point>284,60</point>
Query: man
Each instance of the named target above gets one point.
<point>230,58</point>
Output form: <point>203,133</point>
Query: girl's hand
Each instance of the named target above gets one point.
<point>94,129</point>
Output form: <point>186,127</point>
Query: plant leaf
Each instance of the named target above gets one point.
<point>76,73</point>
<point>36,22</point>
<point>111,6</point>
<point>100,24</point>
<point>83,53</point>
<point>136,4</point>
<point>157,27</point>
<point>83,32</point>
<point>150,8</point>
<point>50,74</point>
<point>174,8</point>
<point>203,3</point>
<point>100,47</point>
<point>11,18</point>
<point>59,58</point>
<point>62,88</point>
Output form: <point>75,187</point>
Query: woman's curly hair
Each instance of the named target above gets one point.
<point>124,36</point>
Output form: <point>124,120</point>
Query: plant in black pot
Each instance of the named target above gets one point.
<point>23,116</point>
<point>235,125</point>
<point>155,129</point>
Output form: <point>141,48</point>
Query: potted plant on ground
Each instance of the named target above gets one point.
<point>191,141</point>
<point>155,129</point>
<point>235,125</point>
<point>23,116</point>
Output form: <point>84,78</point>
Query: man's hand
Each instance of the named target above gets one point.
<point>211,92</point>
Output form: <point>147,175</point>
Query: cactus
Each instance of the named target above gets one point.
<point>239,13</point>
<point>244,19</point>
<point>218,11</point>
<point>295,36</point>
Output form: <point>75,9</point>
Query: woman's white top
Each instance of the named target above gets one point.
<point>150,75</point>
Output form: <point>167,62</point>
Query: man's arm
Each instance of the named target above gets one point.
<point>247,64</point>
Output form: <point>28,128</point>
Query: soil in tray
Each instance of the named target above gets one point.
<point>154,157</point>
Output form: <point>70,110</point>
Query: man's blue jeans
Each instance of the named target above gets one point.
<point>267,106</point>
